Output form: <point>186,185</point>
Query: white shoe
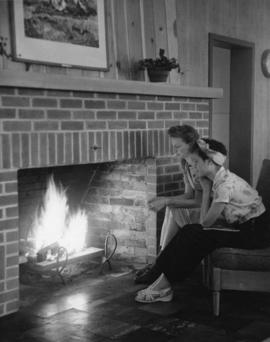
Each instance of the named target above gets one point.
<point>151,296</point>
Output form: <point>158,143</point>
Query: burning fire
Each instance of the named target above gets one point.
<point>55,224</point>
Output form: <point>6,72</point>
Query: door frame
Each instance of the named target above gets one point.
<point>237,47</point>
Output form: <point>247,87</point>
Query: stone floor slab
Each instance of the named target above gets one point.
<point>257,330</point>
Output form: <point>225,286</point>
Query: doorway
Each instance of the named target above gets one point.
<point>231,67</point>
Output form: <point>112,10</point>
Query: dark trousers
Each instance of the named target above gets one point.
<point>192,243</point>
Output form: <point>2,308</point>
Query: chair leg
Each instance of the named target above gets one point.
<point>216,287</point>
<point>216,302</point>
<point>209,272</point>
<point>204,272</point>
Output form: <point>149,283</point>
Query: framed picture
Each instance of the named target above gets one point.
<point>65,32</point>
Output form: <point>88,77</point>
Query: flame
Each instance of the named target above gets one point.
<point>74,236</point>
<point>55,223</point>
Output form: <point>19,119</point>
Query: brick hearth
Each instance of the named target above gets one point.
<point>63,127</point>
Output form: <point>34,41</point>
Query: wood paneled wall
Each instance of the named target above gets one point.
<point>138,28</point>
<point>135,29</point>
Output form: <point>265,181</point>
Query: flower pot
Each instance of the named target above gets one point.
<point>158,75</point>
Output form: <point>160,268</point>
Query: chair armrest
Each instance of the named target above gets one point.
<point>226,229</point>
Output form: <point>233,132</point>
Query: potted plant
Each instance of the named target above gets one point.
<point>158,69</point>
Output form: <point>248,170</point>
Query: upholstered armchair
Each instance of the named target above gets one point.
<point>240,269</point>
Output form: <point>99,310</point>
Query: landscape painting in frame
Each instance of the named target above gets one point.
<point>66,32</point>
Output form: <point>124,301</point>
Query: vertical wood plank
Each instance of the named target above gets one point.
<point>160,26</point>
<point>6,33</point>
<point>218,14</point>
<point>134,38</point>
<point>193,41</point>
<point>149,29</point>
<point>110,40</point>
<point>172,37</point>
<point>122,54</point>
<point>143,34</point>
<point>183,33</point>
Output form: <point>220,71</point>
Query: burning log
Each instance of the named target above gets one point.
<point>85,255</point>
<point>49,252</point>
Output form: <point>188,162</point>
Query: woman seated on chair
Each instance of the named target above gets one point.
<point>233,200</point>
<point>182,209</point>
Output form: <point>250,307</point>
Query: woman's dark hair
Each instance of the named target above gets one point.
<point>187,133</point>
<point>213,145</point>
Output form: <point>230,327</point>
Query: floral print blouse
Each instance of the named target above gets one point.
<point>242,201</point>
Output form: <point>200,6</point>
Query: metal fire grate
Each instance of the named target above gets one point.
<point>57,266</point>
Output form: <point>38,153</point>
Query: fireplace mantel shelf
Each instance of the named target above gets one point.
<point>64,82</point>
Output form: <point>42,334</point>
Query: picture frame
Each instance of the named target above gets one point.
<point>70,33</point>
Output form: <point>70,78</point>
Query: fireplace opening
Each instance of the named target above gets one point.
<point>67,211</point>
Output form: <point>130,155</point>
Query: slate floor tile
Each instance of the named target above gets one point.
<point>113,329</point>
<point>163,309</point>
<point>257,330</point>
<point>14,325</point>
<point>62,333</point>
<point>202,333</point>
<point>135,316</point>
<point>147,335</point>
<point>172,326</point>
<point>74,320</point>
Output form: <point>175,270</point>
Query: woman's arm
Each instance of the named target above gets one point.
<point>209,212</point>
<point>189,199</point>
<point>212,215</point>
<point>186,200</point>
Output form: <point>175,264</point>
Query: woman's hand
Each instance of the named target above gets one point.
<point>206,183</point>
<point>157,203</point>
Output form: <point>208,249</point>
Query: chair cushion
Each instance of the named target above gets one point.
<point>241,259</point>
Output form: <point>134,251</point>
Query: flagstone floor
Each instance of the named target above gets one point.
<point>102,309</point>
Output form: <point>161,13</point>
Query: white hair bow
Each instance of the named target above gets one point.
<point>216,156</point>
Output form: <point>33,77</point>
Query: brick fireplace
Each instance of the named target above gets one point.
<point>56,122</point>
<point>113,196</point>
